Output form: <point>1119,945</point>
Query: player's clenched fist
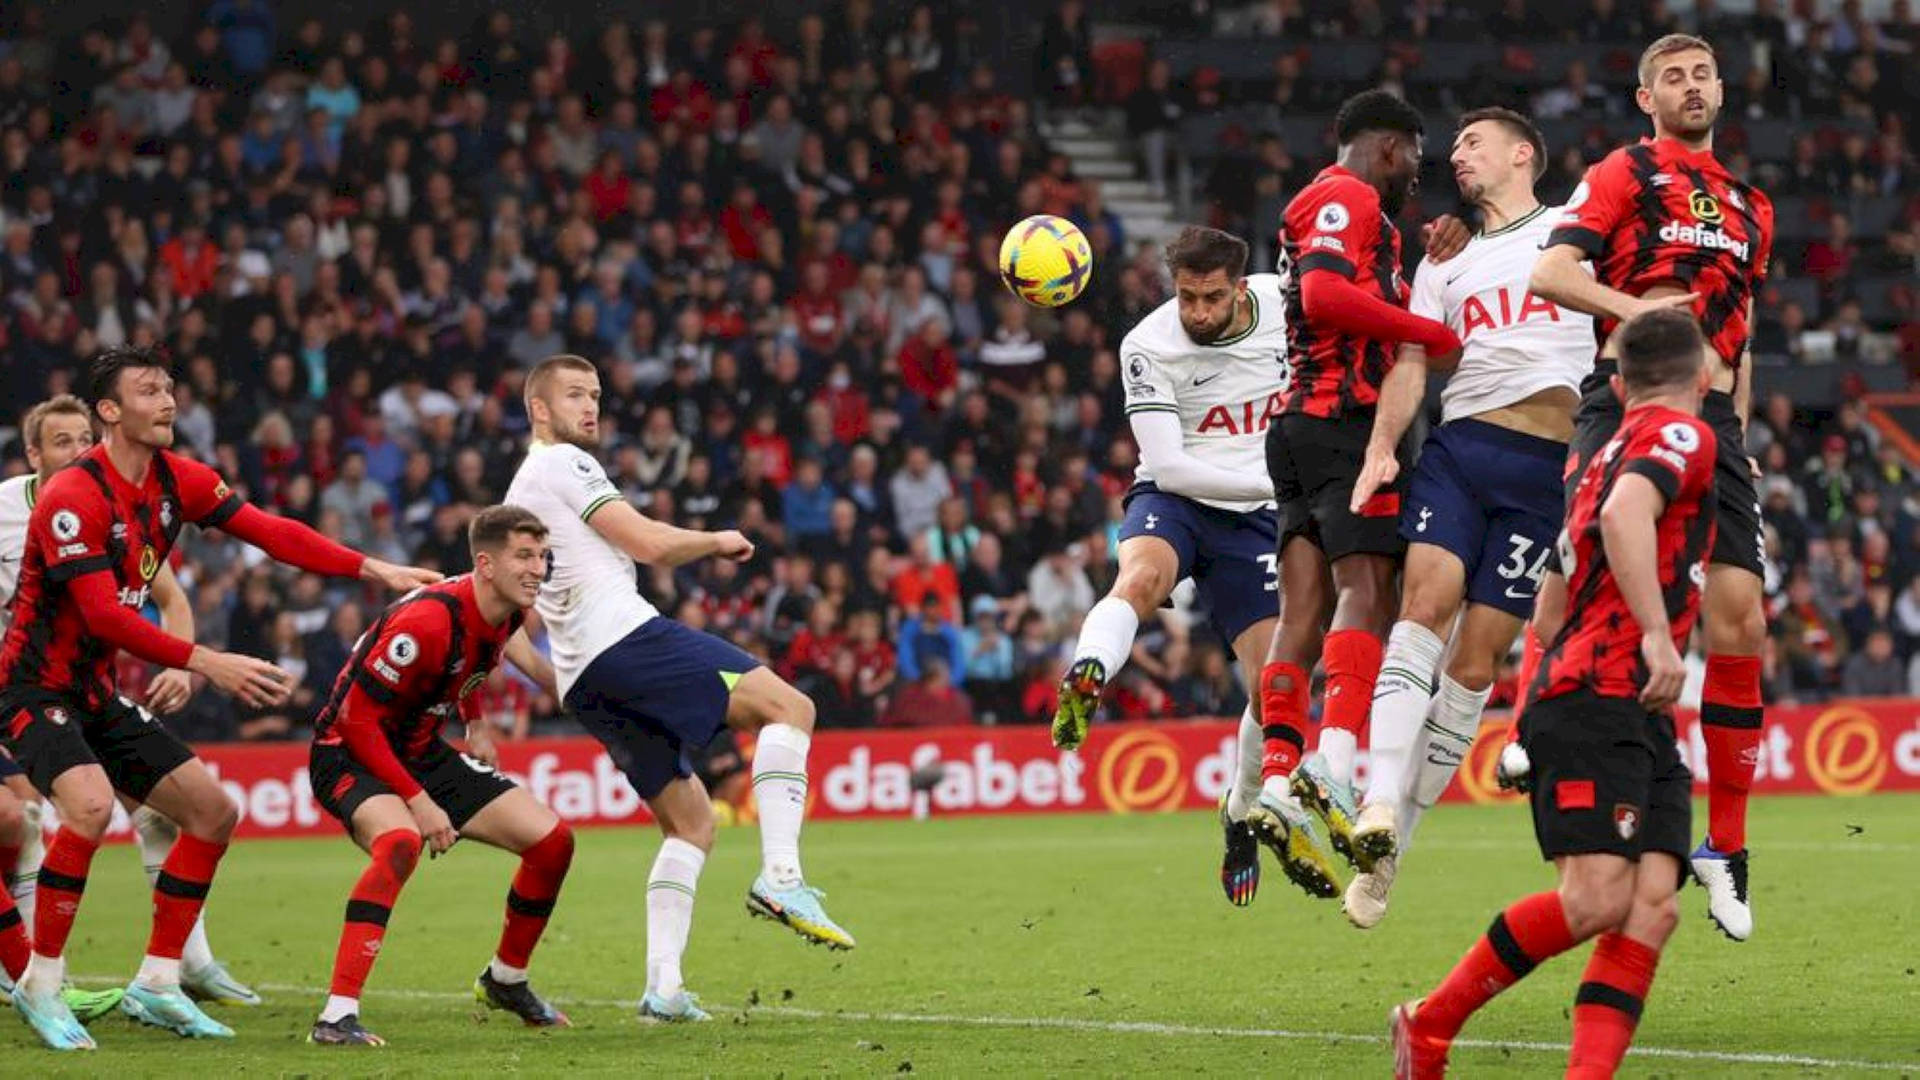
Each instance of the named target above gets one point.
<point>731,544</point>
<point>433,822</point>
<point>1666,672</point>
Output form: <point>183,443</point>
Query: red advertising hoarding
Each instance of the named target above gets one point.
<point>1840,749</point>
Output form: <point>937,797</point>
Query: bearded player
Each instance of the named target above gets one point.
<point>1485,502</point>
<point>381,768</point>
<point>101,529</point>
<point>55,432</point>
<point>1665,225</point>
<point>1612,802</point>
<point>652,690</point>
<point>1201,388</point>
<point>1345,316</point>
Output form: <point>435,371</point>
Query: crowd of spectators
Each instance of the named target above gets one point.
<point>778,243</point>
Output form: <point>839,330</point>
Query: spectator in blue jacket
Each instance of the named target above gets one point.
<point>928,636</point>
<point>808,502</point>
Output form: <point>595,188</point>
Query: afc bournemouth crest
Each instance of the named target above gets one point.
<point>149,562</point>
<point>1626,820</point>
<point>57,716</point>
<point>1705,207</point>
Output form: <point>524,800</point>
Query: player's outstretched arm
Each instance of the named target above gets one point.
<point>1628,530</point>
<point>172,688</point>
<point>1559,276</point>
<point>1334,303</point>
<point>657,543</point>
<point>1401,393</point>
<point>255,682</point>
<point>290,542</point>
<point>1163,451</point>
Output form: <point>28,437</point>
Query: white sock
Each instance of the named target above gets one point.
<point>1400,699</point>
<point>1449,733</point>
<point>45,974</point>
<point>156,833</point>
<point>1246,778</point>
<point>670,889</point>
<point>339,1008</point>
<point>24,883</point>
<point>158,973</point>
<point>1106,634</point>
<point>780,792</point>
<point>506,973</point>
<point>1337,747</point>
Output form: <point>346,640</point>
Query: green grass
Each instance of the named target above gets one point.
<point>978,934</point>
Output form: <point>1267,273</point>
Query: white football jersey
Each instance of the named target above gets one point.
<point>1225,394</point>
<point>1514,344</point>
<point>16,506</point>
<point>591,599</point>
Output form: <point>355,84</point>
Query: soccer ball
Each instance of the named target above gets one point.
<point>1045,260</point>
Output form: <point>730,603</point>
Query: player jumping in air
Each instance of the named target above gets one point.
<point>1611,799</point>
<point>380,766</point>
<point>1485,502</point>
<point>101,529</point>
<point>1345,314</point>
<point>1201,387</point>
<point>1665,224</point>
<point>651,689</point>
<point>56,432</point>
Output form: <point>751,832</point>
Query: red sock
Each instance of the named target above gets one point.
<point>1283,717</point>
<point>535,887</point>
<point>1353,663</point>
<point>63,878</point>
<point>15,947</point>
<point>1607,1008</point>
<point>1520,939</point>
<point>1730,716</point>
<point>180,892</point>
<point>395,853</point>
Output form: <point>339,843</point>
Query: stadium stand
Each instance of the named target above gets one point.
<point>777,240</point>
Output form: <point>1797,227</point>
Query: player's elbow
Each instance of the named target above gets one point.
<point>1549,275</point>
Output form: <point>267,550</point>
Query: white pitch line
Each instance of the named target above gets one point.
<point>1135,1027</point>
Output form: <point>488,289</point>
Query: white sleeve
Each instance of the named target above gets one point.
<point>1163,451</point>
<point>578,481</point>
<point>1429,282</point>
<point>1148,385</point>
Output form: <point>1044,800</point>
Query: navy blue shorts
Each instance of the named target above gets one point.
<point>658,692</point>
<point>1493,498</point>
<point>1231,556</point>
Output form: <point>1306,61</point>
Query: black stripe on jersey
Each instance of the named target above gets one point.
<point>1659,475</point>
<point>1131,409</point>
<point>374,688</point>
<point>1326,260</point>
<point>223,513</point>
<point>1589,242</point>
<point>61,573</point>
<point>1650,207</point>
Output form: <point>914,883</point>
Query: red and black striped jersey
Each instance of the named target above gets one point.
<point>1657,213</point>
<point>1599,647</point>
<point>1336,223</point>
<point>416,668</point>
<point>89,519</point>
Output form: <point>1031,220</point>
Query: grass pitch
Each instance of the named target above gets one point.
<point>1085,945</point>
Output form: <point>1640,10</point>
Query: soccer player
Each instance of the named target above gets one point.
<point>380,766</point>
<point>1485,502</point>
<point>100,531</point>
<point>1345,314</point>
<point>1201,388</point>
<point>56,432</point>
<point>1665,224</point>
<point>651,689</point>
<point>1611,799</point>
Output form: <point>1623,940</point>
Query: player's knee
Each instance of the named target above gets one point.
<point>13,820</point>
<point>797,710</point>
<point>1655,919</point>
<point>1475,673</point>
<point>556,848</point>
<point>699,833</point>
<point>214,817</point>
<point>1737,629</point>
<point>399,851</point>
<point>1596,902</point>
<point>1142,585</point>
<point>88,813</point>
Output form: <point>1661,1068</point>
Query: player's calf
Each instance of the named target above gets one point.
<point>392,856</point>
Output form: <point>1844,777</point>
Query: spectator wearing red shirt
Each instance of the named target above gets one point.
<point>758,51</point>
<point>924,577</point>
<point>873,659</point>
<point>192,259</point>
<point>852,413</point>
<point>744,220</point>
<point>813,649</point>
<point>683,101</point>
<point>930,701</point>
<point>764,442</point>
<point>608,187</point>
<point>815,311</point>
<point>823,247</point>
<point>1830,259</point>
<point>929,368</point>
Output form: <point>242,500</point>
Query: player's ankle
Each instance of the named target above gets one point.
<point>338,1008</point>
<point>159,973</point>
<point>505,973</point>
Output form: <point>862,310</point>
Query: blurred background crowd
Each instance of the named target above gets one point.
<point>778,240</point>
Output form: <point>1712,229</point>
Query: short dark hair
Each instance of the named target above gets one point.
<point>103,371</point>
<point>493,527</point>
<point>1376,110</point>
<point>1660,348</point>
<point>1200,250</point>
<point>1518,126</point>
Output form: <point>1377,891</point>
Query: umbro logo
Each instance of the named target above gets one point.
<point>1660,179</point>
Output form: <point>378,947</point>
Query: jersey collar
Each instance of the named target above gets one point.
<point>1252,325</point>
<point>33,491</point>
<point>1699,159</point>
<point>1512,225</point>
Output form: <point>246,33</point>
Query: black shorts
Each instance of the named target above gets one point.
<point>54,734</point>
<point>9,768</point>
<point>460,785</point>
<point>1607,778</point>
<point>1737,540</point>
<point>1314,464</point>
